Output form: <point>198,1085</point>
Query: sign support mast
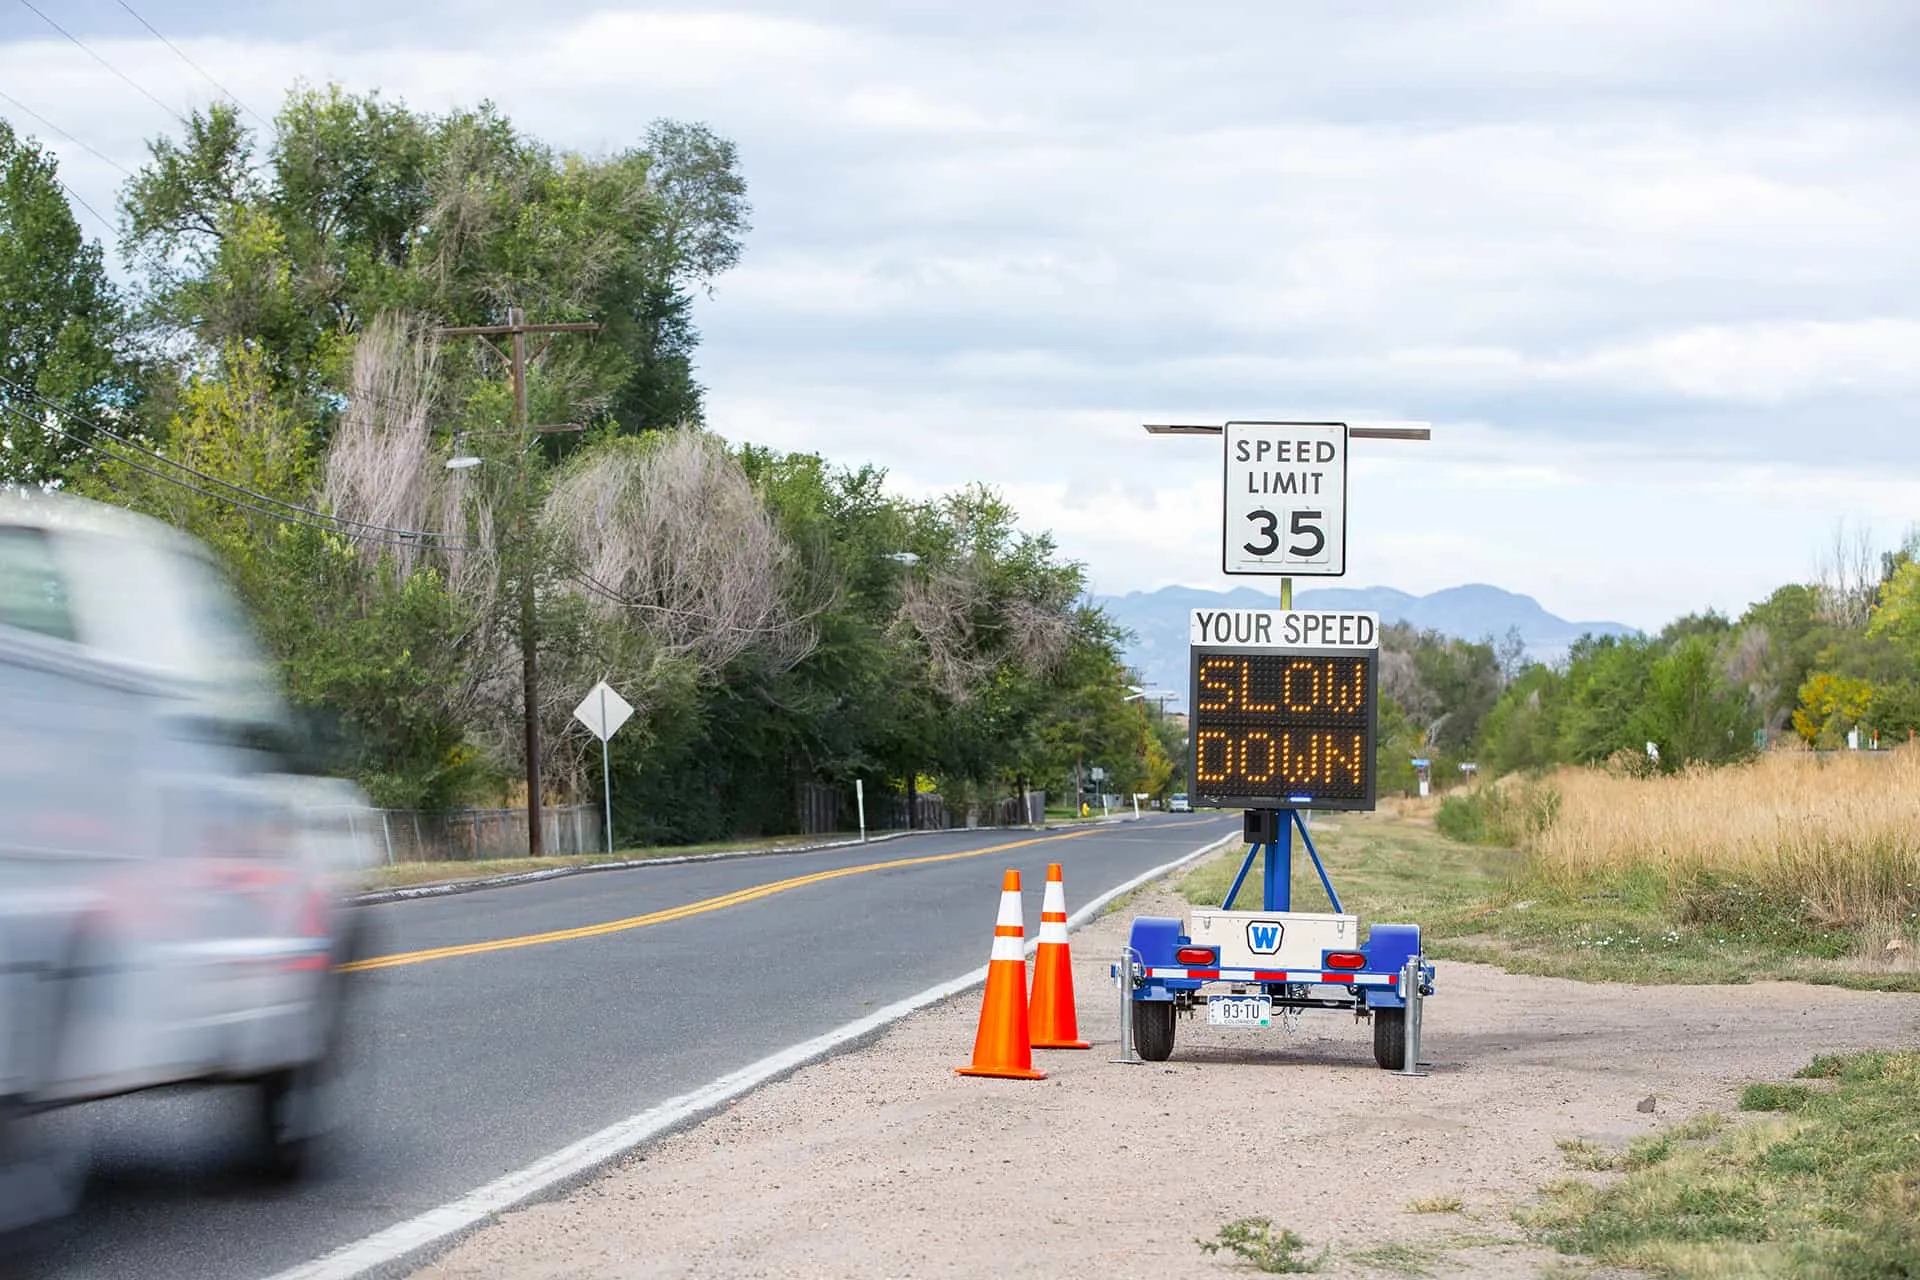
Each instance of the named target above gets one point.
<point>1269,833</point>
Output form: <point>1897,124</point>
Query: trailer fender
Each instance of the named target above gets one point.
<point>1387,949</point>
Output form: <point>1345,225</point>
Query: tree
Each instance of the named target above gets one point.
<point>1693,713</point>
<point>1831,706</point>
<point>1607,687</point>
<point>62,328</point>
<point>360,207</point>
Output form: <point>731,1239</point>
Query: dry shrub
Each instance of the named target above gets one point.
<point>1839,835</point>
<point>670,529</point>
<point>379,469</point>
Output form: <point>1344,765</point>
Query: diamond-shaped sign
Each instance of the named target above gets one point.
<point>603,711</point>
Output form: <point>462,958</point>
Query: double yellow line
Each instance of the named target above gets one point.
<point>690,909</point>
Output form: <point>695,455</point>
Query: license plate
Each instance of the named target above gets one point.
<point>1239,1011</point>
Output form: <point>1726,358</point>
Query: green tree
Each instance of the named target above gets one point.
<point>359,206</point>
<point>62,329</point>
<point>1523,731</point>
<point>1608,679</point>
<point>1692,712</point>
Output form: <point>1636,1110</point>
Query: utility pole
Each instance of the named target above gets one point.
<point>516,328</point>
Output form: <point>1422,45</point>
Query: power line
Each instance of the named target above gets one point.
<point>103,62</point>
<point>97,155</point>
<point>339,524</point>
<point>190,62</point>
<point>279,517</point>
<point>82,202</point>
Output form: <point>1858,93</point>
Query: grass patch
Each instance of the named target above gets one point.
<point>1398,1255</point>
<point>1581,1153</point>
<point>403,875</point>
<point>1492,904</point>
<point>1831,1188</point>
<point>1775,1097</point>
<point>1704,1125</point>
<point>1254,1242</point>
<point>1435,1204</point>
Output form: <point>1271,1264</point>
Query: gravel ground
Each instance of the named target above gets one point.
<point>883,1163</point>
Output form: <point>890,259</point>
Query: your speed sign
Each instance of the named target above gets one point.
<point>1286,499</point>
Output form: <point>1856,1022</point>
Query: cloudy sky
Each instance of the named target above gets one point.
<point>1649,269</point>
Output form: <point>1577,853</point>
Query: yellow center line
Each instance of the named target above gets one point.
<point>680,913</point>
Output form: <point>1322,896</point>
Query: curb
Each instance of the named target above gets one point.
<point>444,889</point>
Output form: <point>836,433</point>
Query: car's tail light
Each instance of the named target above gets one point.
<point>1197,955</point>
<point>1344,960</point>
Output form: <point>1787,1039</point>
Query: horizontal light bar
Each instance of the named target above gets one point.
<point>1358,433</point>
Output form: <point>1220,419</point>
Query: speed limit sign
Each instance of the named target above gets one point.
<point>1286,499</point>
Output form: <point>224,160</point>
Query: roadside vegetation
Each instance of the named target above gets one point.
<point>1826,1184</point>
<point>275,377</point>
<point>1797,866</point>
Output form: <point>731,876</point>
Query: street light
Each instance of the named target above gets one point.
<point>461,458</point>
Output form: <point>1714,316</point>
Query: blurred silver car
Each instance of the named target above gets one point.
<point>172,893</point>
<point>1178,803</point>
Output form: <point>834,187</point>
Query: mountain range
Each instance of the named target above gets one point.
<point>1476,611</point>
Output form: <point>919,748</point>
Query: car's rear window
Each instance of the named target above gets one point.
<point>33,594</point>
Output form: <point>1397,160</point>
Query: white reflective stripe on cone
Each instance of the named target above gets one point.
<point>1009,949</point>
<point>1053,931</point>
<point>1055,898</point>
<point>1010,909</point>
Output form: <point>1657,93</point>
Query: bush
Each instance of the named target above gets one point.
<point>1508,812</point>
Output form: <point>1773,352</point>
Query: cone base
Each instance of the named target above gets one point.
<point>1002,1073</point>
<point>1061,1044</point>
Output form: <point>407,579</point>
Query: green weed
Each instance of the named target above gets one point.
<point>1252,1240</point>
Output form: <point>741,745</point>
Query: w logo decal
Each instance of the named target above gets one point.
<point>1263,937</point>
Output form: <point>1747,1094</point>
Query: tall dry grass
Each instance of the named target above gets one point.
<point>1838,834</point>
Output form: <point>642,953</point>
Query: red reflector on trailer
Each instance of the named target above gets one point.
<point>1345,960</point>
<point>1196,955</point>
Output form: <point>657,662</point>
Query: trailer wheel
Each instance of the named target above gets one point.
<point>1153,1029</point>
<point>1390,1038</point>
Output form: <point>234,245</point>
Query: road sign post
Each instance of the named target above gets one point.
<point>603,712</point>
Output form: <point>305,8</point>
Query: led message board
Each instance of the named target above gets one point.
<point>1283,728</point>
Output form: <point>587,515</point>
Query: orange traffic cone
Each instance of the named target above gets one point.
<point>1000,1048</point>
<point>1054,1023</point>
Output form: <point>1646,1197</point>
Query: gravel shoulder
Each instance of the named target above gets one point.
<point>882,1162</point>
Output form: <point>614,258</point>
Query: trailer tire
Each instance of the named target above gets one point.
<point>1390,1038</point>
<point>1153,1029</point>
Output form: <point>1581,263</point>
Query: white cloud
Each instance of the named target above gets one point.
<point>1648,267</point>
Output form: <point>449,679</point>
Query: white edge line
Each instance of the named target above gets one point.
<point>398,1241</point>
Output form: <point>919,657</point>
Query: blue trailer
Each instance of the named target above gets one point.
<point>1241,966</point>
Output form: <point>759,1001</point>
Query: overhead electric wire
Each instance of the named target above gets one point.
<point>295,513</point>
<point>82,202</point>
<point>190,62</point>
<point>137,447</point>
<point>279,517</point>
<point>102,157</point>
<point>103,62</point>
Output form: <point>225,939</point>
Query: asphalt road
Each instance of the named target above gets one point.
<point>472,1065</point>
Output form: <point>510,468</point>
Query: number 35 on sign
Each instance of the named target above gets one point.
<point>1286,499</point>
